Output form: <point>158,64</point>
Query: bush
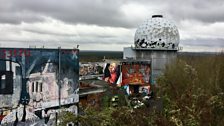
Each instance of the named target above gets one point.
<point>192,90</point>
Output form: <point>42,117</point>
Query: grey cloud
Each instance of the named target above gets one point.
<point>103,13</point>
<point>207,11</point>
<point>38,31</point>
<point>204,42</point>
<point>18,17</point>
<point>54,44</point>
<point>106,13</point>
<point>55,33</point>
<point>86,42</point>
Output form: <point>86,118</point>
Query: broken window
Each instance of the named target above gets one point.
<point>32,86</point>
<point>36,86</point>
<point>6,82</point>
<point>41,86</point>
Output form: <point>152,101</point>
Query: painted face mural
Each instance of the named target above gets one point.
<point>36,79</point>
<point>111,73</point>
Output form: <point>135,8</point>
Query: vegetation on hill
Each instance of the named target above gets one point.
<point>192,90</point>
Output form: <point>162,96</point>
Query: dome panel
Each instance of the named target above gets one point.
<point>157,33</point>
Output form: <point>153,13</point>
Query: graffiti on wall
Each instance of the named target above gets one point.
<point>134,73</point>
<point>154,44</point>
<point>136,77</point>
<point>93,68</point>
<point>36,79</point>
<point>112,73</point>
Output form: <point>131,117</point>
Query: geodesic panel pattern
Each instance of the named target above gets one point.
<point>157,33</point>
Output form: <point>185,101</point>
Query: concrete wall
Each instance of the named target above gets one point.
<point>159,58</point>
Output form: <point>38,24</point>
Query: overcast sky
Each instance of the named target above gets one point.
<point>107,24</point>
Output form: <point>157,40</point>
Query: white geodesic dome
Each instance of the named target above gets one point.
<point>157,33</point>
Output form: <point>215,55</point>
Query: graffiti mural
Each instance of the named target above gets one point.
<point>111,73</point>
<point>134,73</point>
<point>136,76</point>
<point>36,81</point>
<point>93,68</point>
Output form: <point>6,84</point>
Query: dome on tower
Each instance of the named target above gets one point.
<point>157,33</point>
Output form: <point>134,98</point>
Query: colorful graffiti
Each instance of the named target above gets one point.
<point>93,68</point>
<point>135,73</point>
<point>33,80</point>
<point>111,73</point>
<point>136,76</point>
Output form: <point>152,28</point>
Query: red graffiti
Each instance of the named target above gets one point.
<point>8,53</point>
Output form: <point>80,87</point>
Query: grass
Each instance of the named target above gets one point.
<point>192,90</point>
